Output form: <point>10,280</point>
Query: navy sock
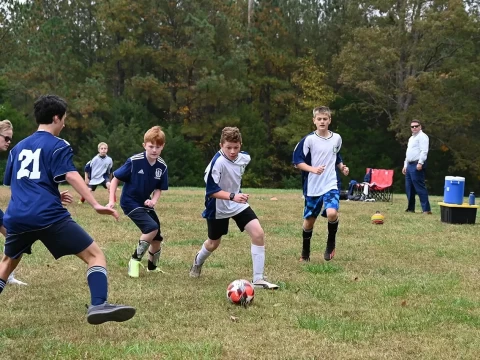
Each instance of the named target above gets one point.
<point>2,284</point>
<point>307,236</point>
<point>98,284</point>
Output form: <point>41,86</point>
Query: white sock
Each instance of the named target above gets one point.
<point>258,259</point>
<point>202,255</point>
<point>11,276</point>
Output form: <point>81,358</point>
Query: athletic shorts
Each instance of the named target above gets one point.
<point>147,221</point>
<point>313,204</point>
<point>94,187</point>
<point>65,237</point>
<point>219,227</point>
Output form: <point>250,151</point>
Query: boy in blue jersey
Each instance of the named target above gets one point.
<point>35,167</point>
<point>98,170</point>
<point>143,174</point>
<point>317,155</point>
<point>224,200</point>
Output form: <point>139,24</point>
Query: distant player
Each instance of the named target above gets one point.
<point>145,176</point>
<point>317,155</point>
<point>224,200</point>
<point>6,136</point>
<point>98,170</point>
<point>35,167</point>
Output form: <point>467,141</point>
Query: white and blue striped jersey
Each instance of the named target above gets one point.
<point>315,150</point>
<point>35,167</point>
<point>224,174</point>
<point>140,180</point>
<point>98,169</point>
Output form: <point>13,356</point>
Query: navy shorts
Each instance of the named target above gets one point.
<point>1,217</point>
<point>313,204</point>
<point>65,237</point>
<point>147,221</point>
<point>103,183</point>
<point>219,227</point>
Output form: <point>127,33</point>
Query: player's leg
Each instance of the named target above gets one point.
<point>11,278</point>
<point>216,229</point>
<point>149,229</point>
<point>7,266</point>
<point>92,188</point>
<point>107,186</point>
<point>312,208</point>
<point>155,248</point>
<point>247,220</point>
<point>66,237</point>
<point>331,202</point>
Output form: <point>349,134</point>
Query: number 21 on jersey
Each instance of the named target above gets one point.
<point>27,157</point>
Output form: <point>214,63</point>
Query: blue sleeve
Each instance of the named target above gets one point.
<point>124,173</point>
<point>339,159</point>
<point>163,183</point>
<point>62,162</point>
<point>88,169</point>
<point>212,186</point>
<point>7,178</point>
<point>298,154</point>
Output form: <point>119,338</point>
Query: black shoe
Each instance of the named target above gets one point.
<point>408,210</point>
<point>98,314</point>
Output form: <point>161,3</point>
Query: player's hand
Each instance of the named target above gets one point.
<point>66,197</point>
<point>345,170</point>
<point>241,198</point>
<point>319,170</point>
<point>110,205</point>
<point>149,203</point>
<point>404,171</point>
<point>106,211</point>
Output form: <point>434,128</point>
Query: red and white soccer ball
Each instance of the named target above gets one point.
<point>240,292</point>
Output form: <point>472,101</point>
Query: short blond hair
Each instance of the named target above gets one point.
<point>101,144</point>
<point>322,110</point>
<point>155,135</point>
<point>5,125</point>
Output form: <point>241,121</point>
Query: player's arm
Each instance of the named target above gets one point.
<point>113,188</point>
<point>87,179</point>
<point>225,195</point>
<point>74,179</point>
<point>153,201</point>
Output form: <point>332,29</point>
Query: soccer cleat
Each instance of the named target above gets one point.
<point>134,268</point>
<point>304,259</point>
<point>11,280</point>
<point>98,314</point>
<point>80,202</point>
<point>195,270</point>
<point>329,254</point>
<point>262,283</point>
<point>156,270</point>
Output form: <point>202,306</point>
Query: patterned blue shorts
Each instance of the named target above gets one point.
<point>313,204</point>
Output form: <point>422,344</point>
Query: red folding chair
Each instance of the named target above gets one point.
<point>381,184</point>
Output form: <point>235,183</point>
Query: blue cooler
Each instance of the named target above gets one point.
<point>453,190</point>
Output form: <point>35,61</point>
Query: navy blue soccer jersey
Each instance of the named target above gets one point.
<point>140,180</point>
<point>35,167</point>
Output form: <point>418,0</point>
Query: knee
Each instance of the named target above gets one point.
<point>332,215</point>
<point>258,238</point>
<point>212,245</point>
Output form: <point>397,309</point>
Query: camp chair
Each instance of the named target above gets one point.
<point>380,185</point>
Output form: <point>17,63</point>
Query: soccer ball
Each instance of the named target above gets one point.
<point>377,218</point>
<point>240,292</point>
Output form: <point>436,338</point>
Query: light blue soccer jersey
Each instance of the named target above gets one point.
<point>98,169</point>
<point>315,150</point>
<point>140,180</point>
<point>35,167</point>
<point>224,174</point>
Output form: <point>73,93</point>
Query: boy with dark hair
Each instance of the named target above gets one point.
<point>224,200</point>
<point>35,167</point>
<point>316,155</point>
<point>143,174</point>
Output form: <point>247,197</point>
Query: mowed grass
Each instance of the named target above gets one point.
<point>407,289</point>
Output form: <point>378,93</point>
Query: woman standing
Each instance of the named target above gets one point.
<point>6,134</point>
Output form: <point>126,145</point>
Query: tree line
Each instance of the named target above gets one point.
<point>196,66</point>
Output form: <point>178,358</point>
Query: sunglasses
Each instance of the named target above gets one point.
<point>414,126</point>
<point>7,138</point>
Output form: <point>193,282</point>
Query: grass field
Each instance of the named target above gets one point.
<point>407,289</point>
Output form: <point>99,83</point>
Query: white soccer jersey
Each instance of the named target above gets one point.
<point>100,169</point>
<point>224,174</point>
<point>315,150</point>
